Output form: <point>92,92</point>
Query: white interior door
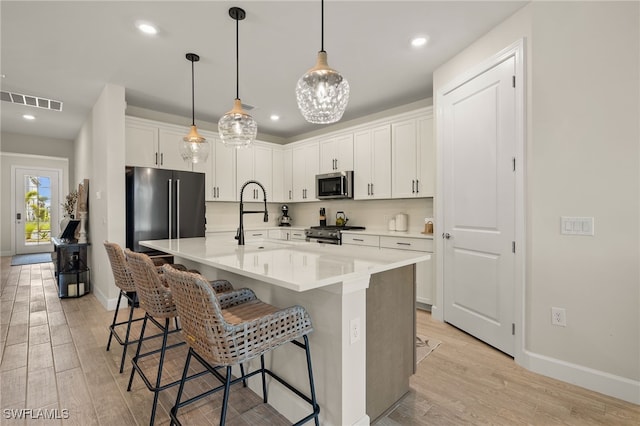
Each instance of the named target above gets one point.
<point>36,209</point>
<point>479,145</point>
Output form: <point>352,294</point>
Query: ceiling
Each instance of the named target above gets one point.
<point>68,51</point>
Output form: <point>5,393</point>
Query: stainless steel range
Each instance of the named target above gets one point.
<point>329,234</point>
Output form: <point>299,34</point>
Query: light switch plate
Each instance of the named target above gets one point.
<point>570,225</point>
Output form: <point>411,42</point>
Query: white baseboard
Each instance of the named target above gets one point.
<point>588,378</point>
<point>109,304</point>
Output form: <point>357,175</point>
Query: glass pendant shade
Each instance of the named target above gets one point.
<point>322,93</point>
<point>237,128</point>
<point>194,147</point>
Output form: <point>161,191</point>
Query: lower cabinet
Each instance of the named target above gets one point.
<point>424,270</point>
<point>287,234</point>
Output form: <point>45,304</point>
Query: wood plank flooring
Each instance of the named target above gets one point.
<point>54,358</point>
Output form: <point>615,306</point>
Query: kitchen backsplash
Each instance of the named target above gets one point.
<point>372,214</point>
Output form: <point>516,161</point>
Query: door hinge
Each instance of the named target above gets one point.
<point>513,81</point>
<point>513,328</point>
<point>513,246</point>
<point>513,160</point>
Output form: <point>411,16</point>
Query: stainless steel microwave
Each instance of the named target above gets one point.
<point>334,185</point>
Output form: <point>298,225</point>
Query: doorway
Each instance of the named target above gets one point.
<point>37,202</point>
<point>481,139</point>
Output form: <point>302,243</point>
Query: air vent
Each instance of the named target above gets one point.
<point>29,100</point>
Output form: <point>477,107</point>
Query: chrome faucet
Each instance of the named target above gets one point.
<point>240,234</point>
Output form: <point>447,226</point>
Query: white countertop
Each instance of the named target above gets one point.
<point>298,266</point>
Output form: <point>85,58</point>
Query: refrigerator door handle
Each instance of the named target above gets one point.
<point>170,207</point>
<point>177,208</point>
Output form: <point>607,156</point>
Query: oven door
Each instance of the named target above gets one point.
<point>323,240</point>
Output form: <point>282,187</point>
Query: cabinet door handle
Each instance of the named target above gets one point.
<point>368,189</point>
<point>257,235</point>
<point>413,186</point>
<point>417,186</point>
<point>156,158</point>
<point>217,192</point>
<point>371,189</point>
<point>162,158</point>
<point>358,239</point>
<point>403,244</point>
<point>289,194</point>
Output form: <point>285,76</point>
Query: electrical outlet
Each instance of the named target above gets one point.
<point>354,330</point>
<point>559,317</point>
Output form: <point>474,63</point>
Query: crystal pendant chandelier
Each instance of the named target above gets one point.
<point>237,128</point>
<point>194,147</point>
<point>322,93</point>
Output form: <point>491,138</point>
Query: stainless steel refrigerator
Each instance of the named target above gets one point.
<point>163,204</point>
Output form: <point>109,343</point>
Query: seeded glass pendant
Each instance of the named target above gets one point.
<point>237,128</point>
<point>194,147</point>
<point>322,93</point>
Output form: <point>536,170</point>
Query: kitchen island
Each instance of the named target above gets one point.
<point>339,286</point>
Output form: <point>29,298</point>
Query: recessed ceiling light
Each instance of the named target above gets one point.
<point>29,117</point>
<point>146,28</point>
<point>274,117</point>
<point>419,41</point>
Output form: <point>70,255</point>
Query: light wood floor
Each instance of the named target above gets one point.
<point>53,357</point>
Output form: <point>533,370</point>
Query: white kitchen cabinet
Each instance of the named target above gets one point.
<point>288,174</point>
<point>305,169</point>
<point>412,156</point>
<point>277,176</point>
<point>336,153</point>
<point>255,163</point>
<point>424,270</point>
<point>372,163</point>
<point>219,169</point>
<point>287,234</point>
<point>152,144</point>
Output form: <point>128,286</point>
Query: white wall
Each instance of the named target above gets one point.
<point>583,159</point>
<point>100,148</point>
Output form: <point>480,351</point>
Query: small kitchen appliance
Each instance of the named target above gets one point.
<point>285,219</point>
<point>334,185</point>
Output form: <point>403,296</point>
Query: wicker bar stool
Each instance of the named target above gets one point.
<point>222,337</point>
<point>124,281</point>
<point>156,300</point>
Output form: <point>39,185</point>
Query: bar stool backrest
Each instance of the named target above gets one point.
<point>121,273</point>
<point>154,296</point>
<point>203,326</point>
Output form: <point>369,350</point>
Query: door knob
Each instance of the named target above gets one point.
<point>446,235</point>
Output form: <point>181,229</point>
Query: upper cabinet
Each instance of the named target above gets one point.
<point>255,163</point>
<point>372,163</point>
<point>412,156</point>
<point>336,153</point>
<point>219,170</point>
<point>305,168</point>
<point>150,145</point>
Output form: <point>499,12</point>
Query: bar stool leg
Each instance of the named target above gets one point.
<point>113,324</point>
<point>311,383</point>
<point>135,358</point>
<point>225,399</point>
<point>156,392</point>
<point>126,337</point>
<point>264,382</point>
<point>174,410</point>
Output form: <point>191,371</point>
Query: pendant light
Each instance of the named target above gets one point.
<point>322,93</point>
<point>237,128</point>
<point>194,147</point>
